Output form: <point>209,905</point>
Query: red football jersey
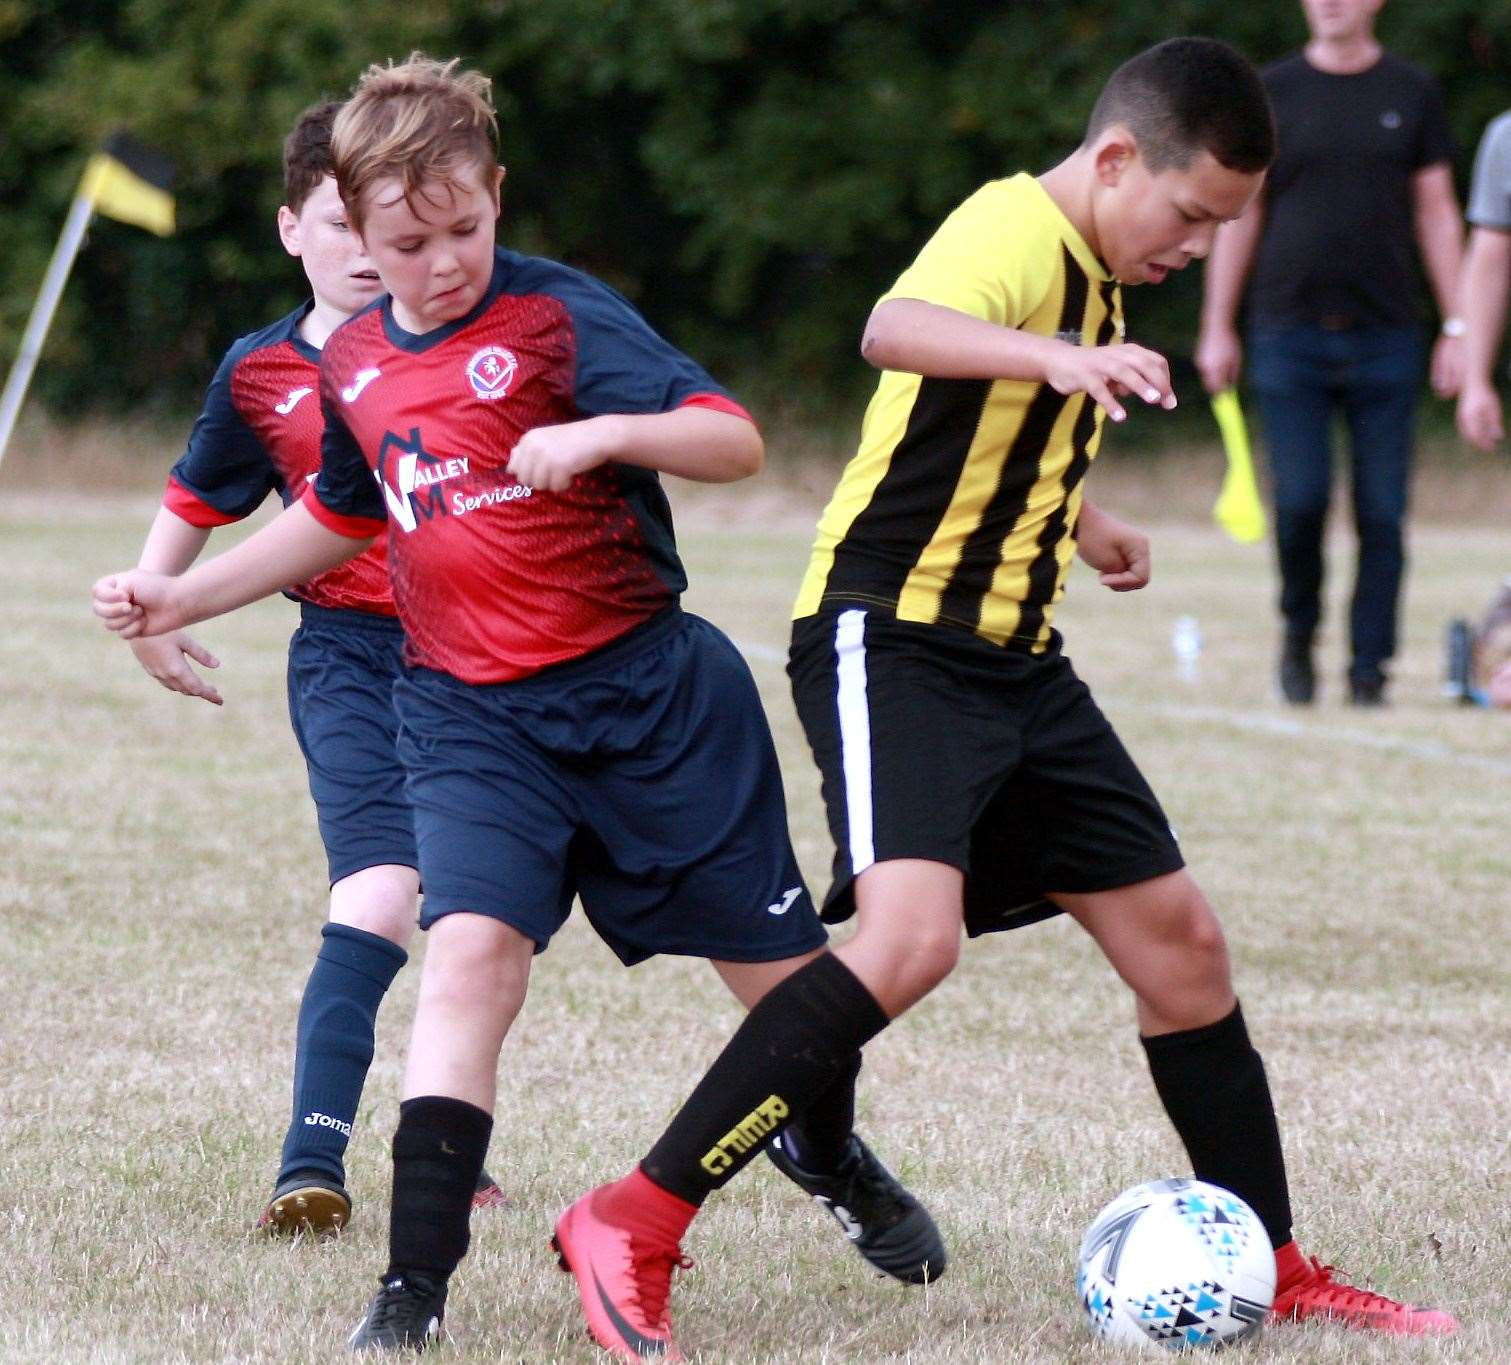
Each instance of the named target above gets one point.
<point>495,580</point>
<point>259,431</point>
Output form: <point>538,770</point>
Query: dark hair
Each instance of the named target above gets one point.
<point>1188,95</point>
<point>307,153</point>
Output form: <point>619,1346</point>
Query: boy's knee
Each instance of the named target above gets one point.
<point>1193,924</point>
<point>378,900</point>
<point>474,963</point>
<point>904,969</point>
<point>934,956</point>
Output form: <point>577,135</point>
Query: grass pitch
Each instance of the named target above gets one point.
<point>162,900</point>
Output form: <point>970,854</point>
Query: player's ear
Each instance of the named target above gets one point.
<point>498,189</point>
<point>288,230</point>
<point>1113,153</point>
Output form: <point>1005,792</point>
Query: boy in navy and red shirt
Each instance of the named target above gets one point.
<point>260,433</point>
<point>566,729</point>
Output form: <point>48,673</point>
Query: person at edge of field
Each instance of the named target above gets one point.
<point>969,777</point>
<point>260,431</point>
<point>1485,285</point>
<point>566,728</point>
<point>1362,171</point>
<point>1483,291</point>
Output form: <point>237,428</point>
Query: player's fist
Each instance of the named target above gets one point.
<point>1117,551</point>
<point>549,458</point>
<point>136,603</point>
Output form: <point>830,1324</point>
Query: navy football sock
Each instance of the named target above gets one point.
<point>334,1047</point>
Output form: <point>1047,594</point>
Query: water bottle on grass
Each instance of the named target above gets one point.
<point>1185,643</point>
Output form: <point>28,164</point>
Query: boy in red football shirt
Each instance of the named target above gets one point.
<point>566,728</point>
<point>259,432</point>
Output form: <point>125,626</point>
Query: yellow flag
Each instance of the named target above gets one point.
<point>1238,509</point>
<point>131,183</point>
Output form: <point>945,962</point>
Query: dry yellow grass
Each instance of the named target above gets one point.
<point>162,898</point>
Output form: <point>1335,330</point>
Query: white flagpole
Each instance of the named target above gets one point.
<point>41,315</point>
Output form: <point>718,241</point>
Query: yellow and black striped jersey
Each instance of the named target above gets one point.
<point>960,506</point>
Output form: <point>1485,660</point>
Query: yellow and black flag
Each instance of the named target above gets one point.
<point>122,180</point>
<point>132,183</point>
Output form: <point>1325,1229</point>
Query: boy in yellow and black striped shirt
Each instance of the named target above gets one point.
<point>970,779</point>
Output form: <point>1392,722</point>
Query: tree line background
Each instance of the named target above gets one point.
<point>752,173</point>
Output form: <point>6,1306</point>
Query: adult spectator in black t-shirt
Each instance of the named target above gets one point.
<point>1361,185</point>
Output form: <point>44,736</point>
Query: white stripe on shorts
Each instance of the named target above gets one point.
<point>855,737</point>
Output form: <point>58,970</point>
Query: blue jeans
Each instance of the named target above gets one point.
<point>1303,375</point>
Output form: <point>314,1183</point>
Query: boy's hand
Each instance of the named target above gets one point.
<point>166,658</point>
<point>1479,415</point>
<point>549,458</point>
<point>1118,553</point>
<point>1105,373</point>
<point>137,603</point>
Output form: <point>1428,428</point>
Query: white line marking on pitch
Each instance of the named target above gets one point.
<point>1428,751</point>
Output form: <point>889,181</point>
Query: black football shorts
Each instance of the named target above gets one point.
<point>936,744</point>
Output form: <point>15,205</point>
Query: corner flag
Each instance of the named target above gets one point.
<point>131,183</point>
<point>123,180</point>
<point>1238,509</point>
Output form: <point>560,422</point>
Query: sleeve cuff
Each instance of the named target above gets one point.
<point>717,402</point>
<point>190,507</point>
<point>353,528</point>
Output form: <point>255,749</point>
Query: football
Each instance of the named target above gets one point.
<point>1178,1264</point>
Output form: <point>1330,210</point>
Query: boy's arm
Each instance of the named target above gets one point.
<point>1219,353</point>
<point>693,442</point>
<point>917,337</point>
<point>172,545</point>
<point>1118,552</point>
<point>1482,294</point>
<point>292,548</point>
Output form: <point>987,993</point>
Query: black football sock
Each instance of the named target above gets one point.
<point>437,1153</point>
<point>819,1137</point>
<point>1212,1084</point>
<point>792,1047</point>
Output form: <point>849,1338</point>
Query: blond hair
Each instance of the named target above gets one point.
<point>422,123</point>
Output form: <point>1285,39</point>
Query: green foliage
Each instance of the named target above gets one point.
<point>751,172</point>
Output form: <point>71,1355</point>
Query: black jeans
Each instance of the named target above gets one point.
<point>1303,376</point>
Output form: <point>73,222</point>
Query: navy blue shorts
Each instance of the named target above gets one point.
<point>641,778</point>
<point>342,669</point>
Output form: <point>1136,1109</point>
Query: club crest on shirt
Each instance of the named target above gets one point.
<point>491,371</point>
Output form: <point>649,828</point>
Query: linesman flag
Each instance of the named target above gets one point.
<point>123,180</point>
<point>131,183</point>
<point>1238,509</point>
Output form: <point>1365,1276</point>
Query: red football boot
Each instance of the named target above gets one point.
<point>1306,1289</point>
<point>621,1247</point>
<point>488,1195</point>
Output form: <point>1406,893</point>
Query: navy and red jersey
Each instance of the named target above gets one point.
<point>259,431</point>
<point>495,580</point>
